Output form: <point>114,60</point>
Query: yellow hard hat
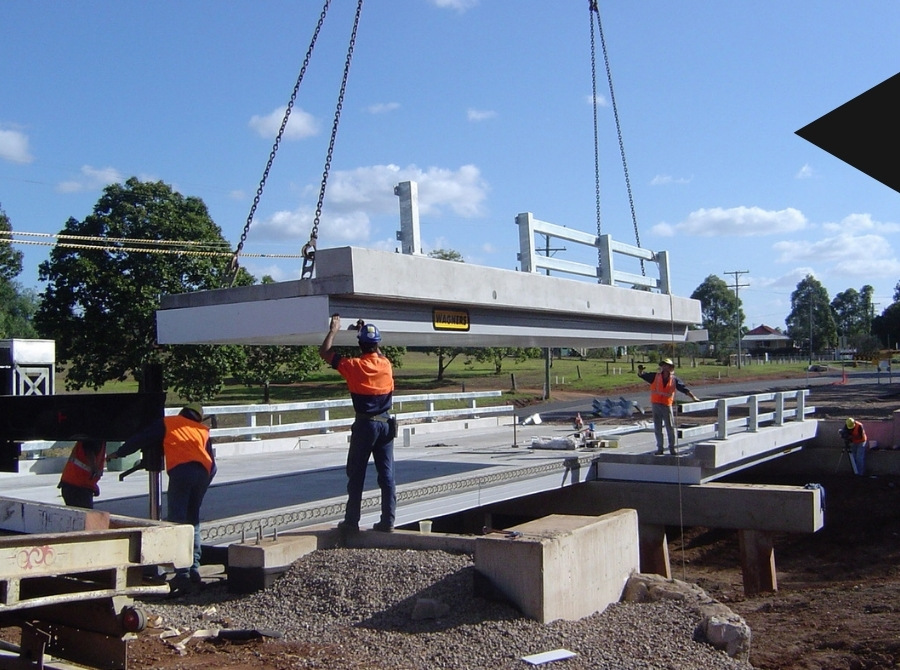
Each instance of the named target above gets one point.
<point>850,423</point>
<point>667,361</point>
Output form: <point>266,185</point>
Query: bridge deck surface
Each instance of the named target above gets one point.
<point>438,473</point>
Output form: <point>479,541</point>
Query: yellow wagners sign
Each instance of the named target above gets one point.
<point>450,319</point>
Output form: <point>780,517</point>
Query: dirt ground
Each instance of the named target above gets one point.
<point>837,604</point>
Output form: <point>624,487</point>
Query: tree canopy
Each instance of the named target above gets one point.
<point>811,316</point>
<point>721,311</point>
<point>99,304</point>
<point>17,305</point>
<point>853,311</point>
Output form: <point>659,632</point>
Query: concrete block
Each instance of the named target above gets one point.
<point>562,566</point>
<point>271,553</point>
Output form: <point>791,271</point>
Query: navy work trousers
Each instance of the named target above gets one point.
<point>370,438</point>
<point>187,486</point>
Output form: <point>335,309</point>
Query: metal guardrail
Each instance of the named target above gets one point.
<point>253,429</point>
<point>754,420</point>
<point>325,423</point>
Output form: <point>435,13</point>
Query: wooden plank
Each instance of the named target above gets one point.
<point>21,516</point>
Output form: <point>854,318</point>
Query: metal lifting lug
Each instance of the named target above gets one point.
<point>309,259</point>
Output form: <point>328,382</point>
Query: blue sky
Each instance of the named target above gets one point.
<point>486,104</point>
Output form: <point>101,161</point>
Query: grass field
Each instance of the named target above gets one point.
<point>520,381</point>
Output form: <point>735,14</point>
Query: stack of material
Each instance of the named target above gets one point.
<point>621,408</point>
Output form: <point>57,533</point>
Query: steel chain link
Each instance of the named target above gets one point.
<point>233,265</point>
<point>612,100</point>
<point>309,249</point>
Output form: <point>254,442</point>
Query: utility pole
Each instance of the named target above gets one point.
<point>737,286</point>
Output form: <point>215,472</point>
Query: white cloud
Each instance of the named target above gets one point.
<point>14,146</point>
<point>736,221</point>
<point>237,194</point>
<point>355,196</point>
<point>664,229</point>
<point>91,179</point>
<point>839,256</point>
<point>476,115</point>
<point>383,107</point>
<point>300,124</point>
<point>601,101</point>
<point>806,172</point>
<point>665,180</point>
<point>859,223</point>
<point>458,5</point>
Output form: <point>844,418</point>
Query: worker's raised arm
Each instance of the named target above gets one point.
<point>333,327</point>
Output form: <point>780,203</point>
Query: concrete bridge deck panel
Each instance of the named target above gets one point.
<point>408,296</point>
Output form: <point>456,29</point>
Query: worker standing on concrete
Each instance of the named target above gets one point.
<point>663,385</point>
<point>83,470</point>
<point>854,434</point>
<point>191,465</point>
<point>370,379</point>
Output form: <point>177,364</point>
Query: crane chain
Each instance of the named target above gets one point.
<point>593,8</point>
<point>309,249</point>
<point>233,264</point>
<point>612,99</point>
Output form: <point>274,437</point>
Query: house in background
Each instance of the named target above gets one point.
<point>764,341</point>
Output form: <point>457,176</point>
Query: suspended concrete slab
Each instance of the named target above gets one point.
<point>419,301</point>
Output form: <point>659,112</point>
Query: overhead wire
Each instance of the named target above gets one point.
<point>168,246</point>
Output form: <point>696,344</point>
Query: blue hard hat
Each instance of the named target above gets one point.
<point>369,334</point>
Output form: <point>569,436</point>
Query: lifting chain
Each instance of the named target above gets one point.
<point>594,9</point>
<point>309,249</point>
<point>234,264</point>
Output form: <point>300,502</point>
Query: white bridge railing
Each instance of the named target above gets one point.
<point>268,419</point>
<point>789,405</point>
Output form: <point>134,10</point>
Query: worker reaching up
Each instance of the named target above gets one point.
<point>663,385</point>
<point>370,379</point>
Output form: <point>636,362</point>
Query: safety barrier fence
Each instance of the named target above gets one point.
<point>275,418</point>
<point>788,406</point>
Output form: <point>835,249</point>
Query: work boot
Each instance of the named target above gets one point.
<point>179,585</point>
<point>347,527</point>
<point>195,576</point>
<point>383,527</point>
<point>659,451</point>
<point>672,451</point>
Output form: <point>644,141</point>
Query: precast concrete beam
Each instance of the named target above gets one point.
<point>760,507</point>
<point>421,301</point>
<point>738,447</point>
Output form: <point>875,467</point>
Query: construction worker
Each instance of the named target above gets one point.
<point>663,385</point>
<point>370,379</point>
<point>854,434</point>
<point>82,472</point>
<point>190,464</point>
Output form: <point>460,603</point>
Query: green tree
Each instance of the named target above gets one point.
<point>853,311</point>
<point>722,315</point>
<point>811,314</point>
<point>17,305</point>
<point>887,326</point>
<point>99,304</point>
<point>266,365</point>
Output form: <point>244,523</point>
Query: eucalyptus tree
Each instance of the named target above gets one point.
<point>811,319</point>
<point>142,240</point>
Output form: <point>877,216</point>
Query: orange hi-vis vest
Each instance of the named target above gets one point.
<point>185,441</point>
<point>660,392</point>
<point>84,469</point>
<point>858,434</point>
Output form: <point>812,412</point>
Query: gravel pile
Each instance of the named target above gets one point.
<point>368,604</point>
